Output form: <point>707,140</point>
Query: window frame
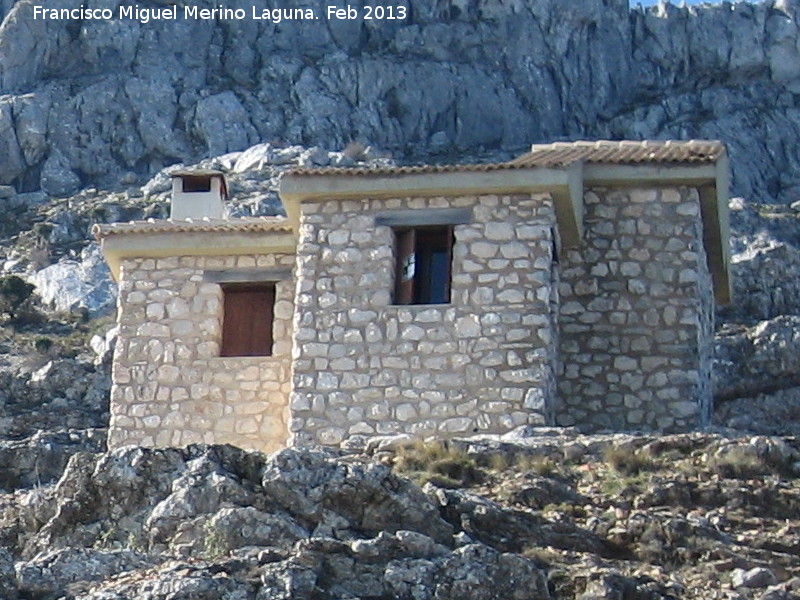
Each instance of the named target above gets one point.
<point>419,280</point>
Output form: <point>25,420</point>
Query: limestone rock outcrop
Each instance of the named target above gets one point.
<point>535,515</point>
<point>87,101</point>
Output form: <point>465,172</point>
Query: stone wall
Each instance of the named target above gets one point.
<point>170,385</point>
<point>484,362</point>
<point>636,314</point>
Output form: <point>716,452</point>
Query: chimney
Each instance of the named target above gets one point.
<point>198,195</point>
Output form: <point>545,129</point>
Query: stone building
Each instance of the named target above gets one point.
<point>574,285</point>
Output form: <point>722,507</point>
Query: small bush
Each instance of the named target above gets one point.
<point>16,296</point>
<point>739,463</point>
<point>438,463</point>
<point>543,466</point>
<point>43,345</point>
<point>627,461</point>
<point>499,462</point>
<point>543,557</point>
<point>214,543</point>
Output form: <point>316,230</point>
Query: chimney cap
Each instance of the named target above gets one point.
<point>184,172</point>
<point>210,173</point>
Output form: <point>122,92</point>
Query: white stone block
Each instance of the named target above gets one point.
<point>168,374</point>
<point>455,425</point>
<point>514,250</point>
<point>330,436</point>
<point>361,429</point>
<point>468,327</point>
<point>247,426</point>
<point>499,231</point>
<point>484,249</point>
<point>535,400</point>
<point>684,409</point>
<point>152,421</point>
<point>406,412</point>
<point>625,363</point>
<point>177,308</point>
<point>412,332</point>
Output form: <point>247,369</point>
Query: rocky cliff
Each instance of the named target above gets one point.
<point>94,100</point>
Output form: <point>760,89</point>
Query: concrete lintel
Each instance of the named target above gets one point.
<point>424,216</point>
<point>116,248</point>
<point>247,275</point>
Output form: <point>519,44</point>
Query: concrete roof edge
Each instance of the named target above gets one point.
<point>199,243</point>
<point>295,189</point>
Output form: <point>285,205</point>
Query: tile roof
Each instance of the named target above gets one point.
<point>559,154</point>
<point>401,170</point>
<point>627,152</point>
<point>249,224</point>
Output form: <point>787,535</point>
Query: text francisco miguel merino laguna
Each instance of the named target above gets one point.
<point>173,12</point>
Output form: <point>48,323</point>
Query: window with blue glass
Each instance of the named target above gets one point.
<point>424,264</point>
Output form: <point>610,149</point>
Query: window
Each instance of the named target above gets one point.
<point>424,257</point>
<point>247,319</point>
<point>196,183</point>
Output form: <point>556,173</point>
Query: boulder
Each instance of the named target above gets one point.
<point>757,577</point>
<point>340,498</point>
<point>57,178</point>
<point>49,573</point>
<point>42,458</point>
<point>758,359</point>
<point>8,577</point>
<point>766,282</point>
<point>71,284</point>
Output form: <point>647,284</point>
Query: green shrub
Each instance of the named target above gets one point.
<point>14,292</point>
<point>43,345</point>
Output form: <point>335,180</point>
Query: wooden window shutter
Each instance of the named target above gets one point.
<point>405,269</point>
<point>247,319</point>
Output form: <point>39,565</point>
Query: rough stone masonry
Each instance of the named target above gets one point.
<point>577,288</point>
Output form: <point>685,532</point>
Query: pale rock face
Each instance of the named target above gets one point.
<point>137,98</point>
<point>70,284</point>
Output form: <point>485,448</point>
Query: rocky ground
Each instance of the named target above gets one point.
<point>530,515</point>
<point>535,514</point>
